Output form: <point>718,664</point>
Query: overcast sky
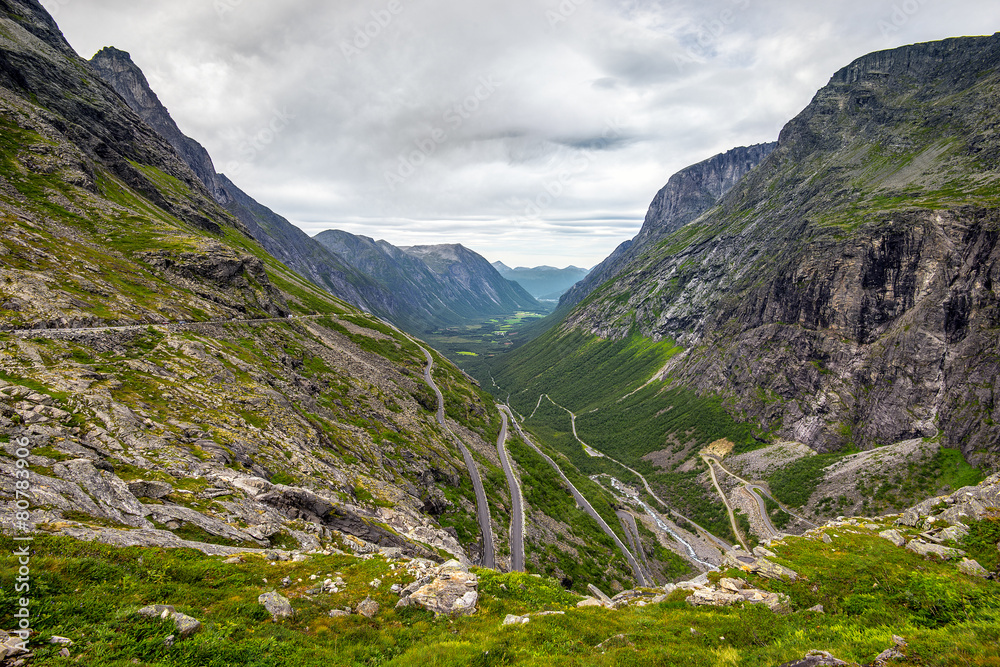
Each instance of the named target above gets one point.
<point>532,131</point>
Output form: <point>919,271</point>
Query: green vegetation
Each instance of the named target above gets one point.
<point>795,483</point>
<point>870,590</point>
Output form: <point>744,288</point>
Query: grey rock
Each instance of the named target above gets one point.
<point>816,659</point>
<point>955,533</point>
<point>452,591</point>
<point>600,595</point>
<point>893,536</point>
<point>335,613</point>
<point>924,549</point>
<point>761,566</point>
<point>817,609</point>
<point>186,625</point>
<point>511,619</point>
<point>972,568</point>
<point>368,607</point>
<point>276,604</point>
<point>761,552</point>
<point>155,610</point>
<point>827,539</point>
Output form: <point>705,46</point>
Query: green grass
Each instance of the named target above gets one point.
<point>870,589</point>
<point>795,483</point>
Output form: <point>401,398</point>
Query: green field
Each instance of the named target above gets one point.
<point>472,344</point>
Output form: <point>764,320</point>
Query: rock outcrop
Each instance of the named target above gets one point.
<point>451,590</point>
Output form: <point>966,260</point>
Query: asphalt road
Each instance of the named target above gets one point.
<point>482,507</point>
<point>732,517</point>
<point>632,531</point>
<point>517,504</point>
<point>589,509</point>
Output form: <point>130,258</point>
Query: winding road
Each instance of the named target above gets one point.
<point>482,507</point>
<point>725,501</point>
<point>517,502</point>
<point>589,509</point>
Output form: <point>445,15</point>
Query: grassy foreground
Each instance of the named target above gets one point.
<point>870,589</point>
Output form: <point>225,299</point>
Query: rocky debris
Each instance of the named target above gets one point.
<point>589,602</point>
<point>276,604</point>
<point>12,646</point>
<point>953,533</point>
<point>972,568</point>
<point>761,552</point>
<point>817,609</point>
<point>892,653</point>
<point>893,536</point>
<point>827,539</point>
<point>918,546</point>
<point>111,493</point>
<point>64,641</point>
<point>512,619</point>
<point>735,591</point>
<point>335,613</point>
<point>600,595</point>
<point>815,659</point>
<point>150,489</point>
<point>184,624</point>
<point>368,607</point>
<point>452,589</point>
<point>743,561</point>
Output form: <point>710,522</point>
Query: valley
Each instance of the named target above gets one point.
<point>766,424</point>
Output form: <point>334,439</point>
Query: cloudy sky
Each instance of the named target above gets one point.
<point>532,131</point>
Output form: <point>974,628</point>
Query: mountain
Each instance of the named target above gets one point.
<point>170,384</point>
<point>687,194</point>
<point>407,294</point>
<point>543,282</point>
<point>442,284</point>
<point>841,294</point>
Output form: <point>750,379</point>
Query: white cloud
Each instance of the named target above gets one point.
<point>680,80</point>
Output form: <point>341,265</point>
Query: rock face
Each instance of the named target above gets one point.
<point>840,291</point>
<point>687,195</point>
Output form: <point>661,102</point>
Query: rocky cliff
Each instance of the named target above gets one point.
<point>689,193</point>
<point>843,293</point>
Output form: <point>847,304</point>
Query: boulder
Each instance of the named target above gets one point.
<point>893,536</point>
<point>761,552</point>
<point>452,591</point>
<point>955,533</point>
<point>924,549</point>
<point>368,607</point>
<point>973,568</point>
<point>713,597</point>
<point>909,518</point>
<point>589,602</point>
<point>761,566</point>
<point>600,595</point>
<point>155,610</point>
<point>276,604</point>
<point>185,625</point>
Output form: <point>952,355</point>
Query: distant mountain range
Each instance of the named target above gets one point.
<point>419,289</point>
<point>545,283</point>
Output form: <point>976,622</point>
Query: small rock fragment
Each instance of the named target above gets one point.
<point>511,619</point>
<point>893,536</point>
<point>368,607</point>
<point>973,568</point>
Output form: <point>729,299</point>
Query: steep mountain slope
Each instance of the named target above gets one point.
<point>842,294</point>
<point>443,284</point>
<point>543,282</point>
<point>689,193</point>
<point>370,280</point>
<point>176,385</point>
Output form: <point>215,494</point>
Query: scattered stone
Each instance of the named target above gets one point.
<point>186,625</point>
<point>233,560</point>
<point>776,602</point>
<point>56,639</point>
<point>368,608</point>
<point>922,548</point>
<point>338,612</point>
<point>973,568</point>
<point>891,654</point>
<point>909,518</point>
<point>872,526</point>
<point>818,609</point>
<point>397,588</point>
<point>511,619</point>
<point>276,604</point>
<point>893,536</point>
<point>64,652</point>
<point>169,641</point>
<point>589,602</point>
<point>155,610</point>
<point>733,585</point>
<point>286,582</point>
<point>827,539</point>
<point>816,659</point>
